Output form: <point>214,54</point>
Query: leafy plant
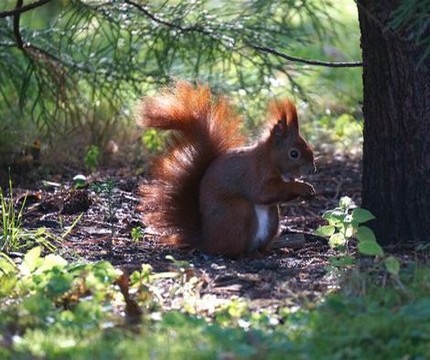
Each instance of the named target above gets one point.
<point>183,292</point>
<point>234,313</point>
<point>92,157</point>
<point>52,308</point>
<point>79,181</point>
<point>44,284</point>
<point>345,222</point>
<point>136,234</point>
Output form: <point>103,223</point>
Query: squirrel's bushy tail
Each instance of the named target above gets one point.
<point>205,127</point>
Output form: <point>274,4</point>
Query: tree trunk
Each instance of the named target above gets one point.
<point>396,154</point>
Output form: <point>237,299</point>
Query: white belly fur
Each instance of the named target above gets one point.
<point>262,213</point>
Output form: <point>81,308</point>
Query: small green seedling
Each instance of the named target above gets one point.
<point>92,157</point>
<point>136,234</point>
<point>79,181</point>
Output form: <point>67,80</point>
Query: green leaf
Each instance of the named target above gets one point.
<point>370,248</point>
<point>7,284</point>
<point>392,264</point>
<point>7,266</point>
<point>365,234</point>
<point>326,230</point>
<point>38,305</point>
<point>31,260</point>
<point>362,215</point>
<point>367,242</point>
<point>336,240</point>
<point>349,231</point>
<point>59,283</point>
<point>104,271</point>
<point>334,216</point>
<point>50,261</point>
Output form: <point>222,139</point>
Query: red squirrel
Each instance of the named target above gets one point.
<point>212,192</point>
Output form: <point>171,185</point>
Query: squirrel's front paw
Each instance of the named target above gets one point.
<point>308,191</point>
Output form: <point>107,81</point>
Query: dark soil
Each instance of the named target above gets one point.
<point>286,275</point>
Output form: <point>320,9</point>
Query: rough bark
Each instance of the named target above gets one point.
<point>396,106</point>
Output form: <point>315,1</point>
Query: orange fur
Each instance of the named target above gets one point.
<point>206,127</point>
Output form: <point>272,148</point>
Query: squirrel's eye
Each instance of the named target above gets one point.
<point>294,154</point>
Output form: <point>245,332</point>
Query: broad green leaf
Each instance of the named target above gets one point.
<point>365,234</point>
<point>7,284</point>
<point>334,216</point>
<point>362,215</point>
<point>336,240</point>
<point>349,231</point>
<point>7,266</point>
<point>326,230</point>
<point>370,248</point>
<point>51,261</point>
<point>392,264</point>
<point>31,260</point>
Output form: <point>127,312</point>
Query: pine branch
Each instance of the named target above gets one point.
<point>58,60</point>
<point>201,30</point>
<point>22,9</point>
<point>306,61</point>
<point>103,50</point>
<point>156,19</point>
<point>16,29</point>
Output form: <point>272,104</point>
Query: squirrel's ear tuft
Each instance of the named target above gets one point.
<point>285,110</point>
<point>280,129</point>
<point>291,113</point>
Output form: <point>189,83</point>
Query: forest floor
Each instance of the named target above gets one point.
<point>301,301</point>
<point>287,276</point>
